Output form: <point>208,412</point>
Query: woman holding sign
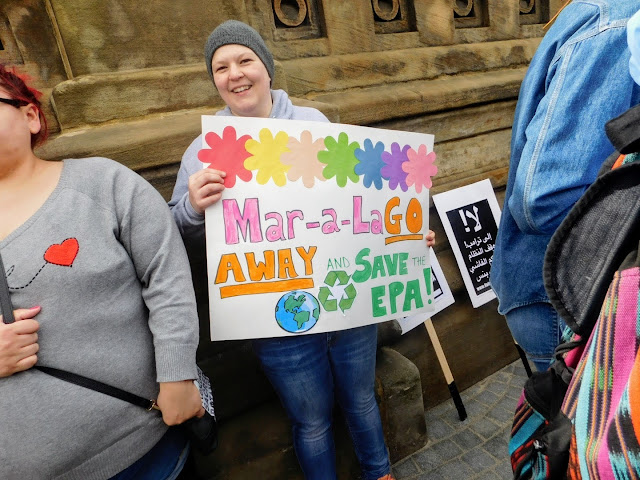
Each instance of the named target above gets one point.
<point>328,366</point>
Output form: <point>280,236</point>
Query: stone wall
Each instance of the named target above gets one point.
<point>125,79</point>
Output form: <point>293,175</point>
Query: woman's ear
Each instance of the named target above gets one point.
<point>33,118</point>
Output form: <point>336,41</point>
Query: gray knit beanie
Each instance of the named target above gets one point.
<point>238,33</point>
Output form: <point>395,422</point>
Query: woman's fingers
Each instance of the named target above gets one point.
<point>27,326</point>
<point>205,176</point>
<point>205,188</point>
<point>211,189</point>
<point>26,363</point>
<point>207,196</point>
<point>29,350</point>
<point>26,339</point>
<point>220,173</point>
<point>430,238</point>
<point>25,314</point>
<point>179,401</point>
<point>19,342</point>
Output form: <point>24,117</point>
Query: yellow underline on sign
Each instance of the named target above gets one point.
<point>401,238</point>
<point>265,287</point>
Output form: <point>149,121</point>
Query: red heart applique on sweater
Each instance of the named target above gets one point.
<point>62,254</point>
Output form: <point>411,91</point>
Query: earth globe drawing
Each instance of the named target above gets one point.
<point>297,311</point>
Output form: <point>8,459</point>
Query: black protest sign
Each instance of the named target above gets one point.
<point>474,228</point>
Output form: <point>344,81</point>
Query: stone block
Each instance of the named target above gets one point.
<point>488,151</point>
<point>435,21</point>
<point>341,72</point>
<point>501,22</point>
<point>254,445</point>
<point>102,98</point>
<point>117,35</point>
<point>349,25</point>
<point>154,142</point>
<point>97,99</point>
<point>401,404</point>
<point>332,112</point>
<point>457,124</point>
<point>383,42</point>
<point>382,103</point>
<point>388,333</point>
<point>497,177</point>
<point>31,42</point>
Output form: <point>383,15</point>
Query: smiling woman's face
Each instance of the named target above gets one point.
<point>242,81</point>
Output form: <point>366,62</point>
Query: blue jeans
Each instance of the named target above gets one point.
<point>309,372</point>
<point>164,461</point>
<point>538,330</point>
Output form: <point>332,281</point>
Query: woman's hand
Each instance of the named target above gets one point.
<point>19,342</point>
<point>179,401</point>
<point>431,238</point>
<point>205,188</point>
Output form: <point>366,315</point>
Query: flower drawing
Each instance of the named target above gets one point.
<point>265,157</point>
<point>303,159</point>
<point>420,167</point>
<point>370,163</point>
<point>392,170</point>
<point>227,154</point>
<point>339,159</point>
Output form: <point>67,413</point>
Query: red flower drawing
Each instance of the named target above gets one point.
<point>227,154</point>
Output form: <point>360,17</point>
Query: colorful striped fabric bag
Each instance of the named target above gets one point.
<point>540,434</point>
<point>603,400</point>
<point>581,418</point>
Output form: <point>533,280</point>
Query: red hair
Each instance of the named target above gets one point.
<point>16,86</point>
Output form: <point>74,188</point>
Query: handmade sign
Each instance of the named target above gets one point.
<point>442,296</point>
<point>470,216</point>
<point>320,227</point>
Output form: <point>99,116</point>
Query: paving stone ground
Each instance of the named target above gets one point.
<point>475,449</point>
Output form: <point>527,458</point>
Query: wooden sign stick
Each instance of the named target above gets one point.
<point>444,365</point>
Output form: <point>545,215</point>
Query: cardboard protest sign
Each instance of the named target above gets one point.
<point>320,227</point>
<point>470,216</point>
<point>442,296</point>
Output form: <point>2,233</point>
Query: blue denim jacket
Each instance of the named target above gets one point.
<point>577,81</point>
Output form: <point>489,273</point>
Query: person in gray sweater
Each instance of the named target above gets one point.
<point>93,258</point>
<point>335,366</point>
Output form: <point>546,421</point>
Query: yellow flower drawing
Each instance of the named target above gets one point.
<point>266,155</point>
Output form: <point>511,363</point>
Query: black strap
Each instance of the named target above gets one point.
<point>98,386</point>
<point>7,316</point>
<point>5,297</point>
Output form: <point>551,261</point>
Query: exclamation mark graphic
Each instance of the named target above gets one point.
<point>464,220</point>
<point>427,280</point>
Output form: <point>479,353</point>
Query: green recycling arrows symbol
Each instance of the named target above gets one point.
<point>325,296</point>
